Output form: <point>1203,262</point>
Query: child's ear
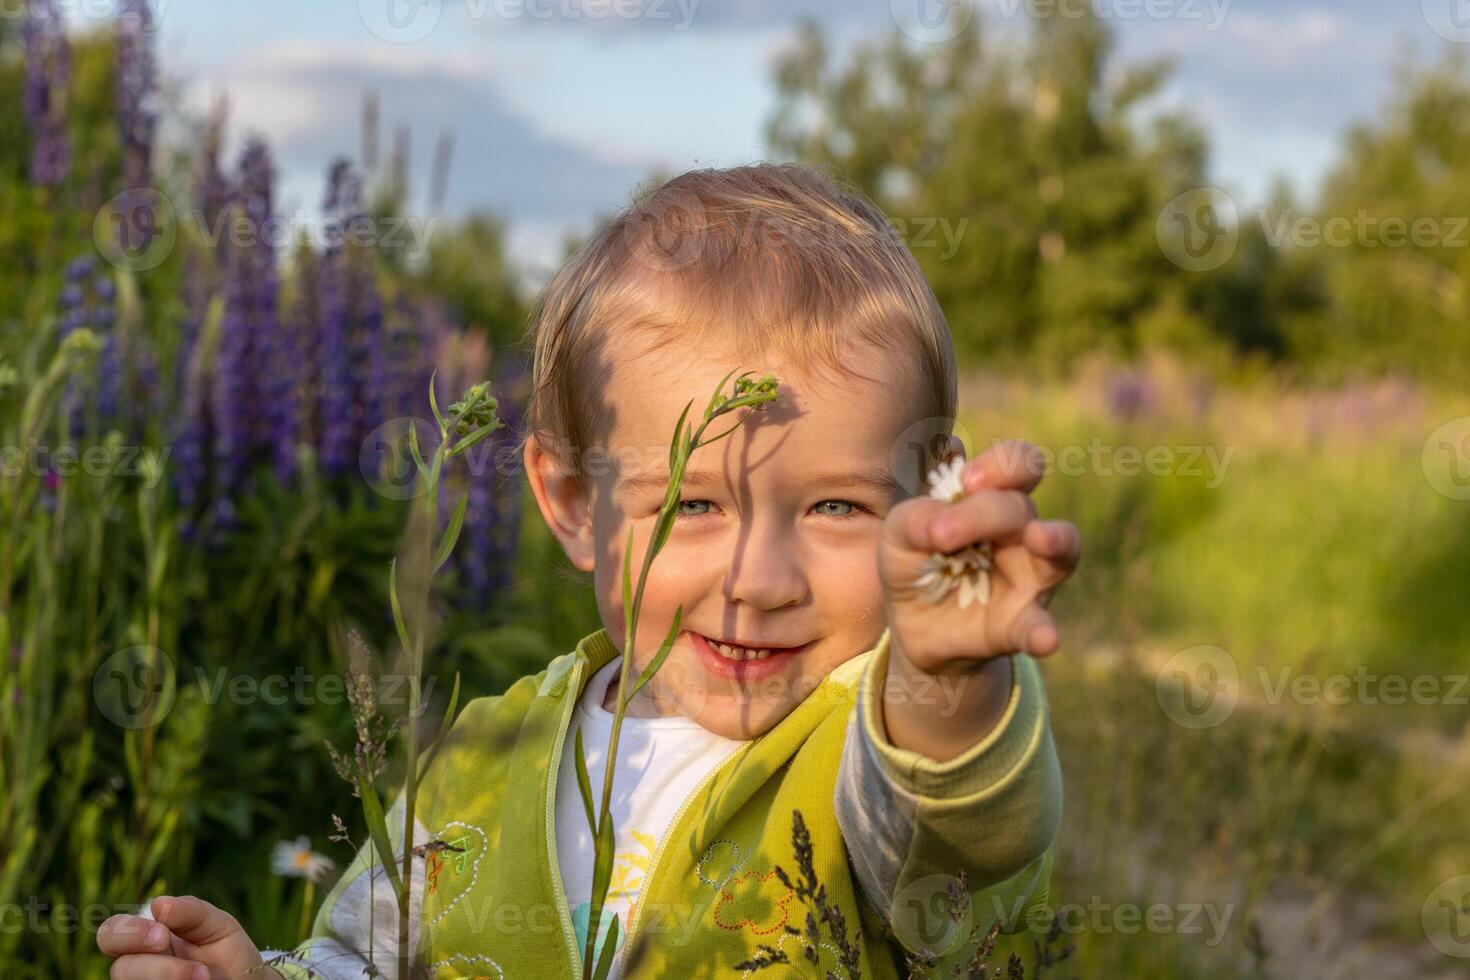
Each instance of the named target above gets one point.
<point>564,504</point>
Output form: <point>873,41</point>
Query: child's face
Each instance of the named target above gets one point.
<point>776,537</point>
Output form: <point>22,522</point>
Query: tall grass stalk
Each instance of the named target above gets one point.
<point>468,422</point>
<point>756,394</point>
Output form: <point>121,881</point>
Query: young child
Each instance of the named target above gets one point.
<point>814,670</point>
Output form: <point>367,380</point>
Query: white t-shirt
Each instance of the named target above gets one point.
<point>660,762</point>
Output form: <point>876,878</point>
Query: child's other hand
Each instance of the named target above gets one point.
<point>1031,558</point>
<point>187,939</point>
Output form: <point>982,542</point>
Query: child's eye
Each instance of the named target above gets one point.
<point>680,512</point>
<point>852,508</point>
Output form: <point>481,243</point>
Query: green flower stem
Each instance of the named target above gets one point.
<point>755,394</point>
<point>470,421</point>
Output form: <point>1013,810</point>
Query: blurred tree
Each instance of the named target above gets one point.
<point>469,267</point>
<point>1027,184</point>
<point>1395,228</point>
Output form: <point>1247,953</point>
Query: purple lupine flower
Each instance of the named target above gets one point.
<point>50,487</point>
<point>371,373</point>
<point>493,514</point>
<point>136,91</point>
<point>246,329</point>
<point>111,373</point>
<point>282,420</point>
<point>109,379</point>
<point>48,72</point>
<point>338,411</point>
<point>212,190</point>
<point>194,290</point>
<point>72,304</point>
<point>1130,395</point>
<point>192,430</point>
<point>191,443</point>
<point>80,268</point>
<point>91,303</point>
<point>305,319</point>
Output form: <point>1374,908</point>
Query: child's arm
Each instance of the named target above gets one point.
<point>991,812</point>
<point>949,764</point>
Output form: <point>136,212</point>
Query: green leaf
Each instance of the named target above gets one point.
<point>677,442</point>
<point>714,398</point>
<point>628,586</point>
<point>451,533</point>
<point>609,951</point>
<point>418,455</point>
<point>377,824</point>
<point>475,438</point>
<point>661,656</point>
<point>397,607</point>
<point>584,783</point>
<point>443,730</point>
<point>434,403</point>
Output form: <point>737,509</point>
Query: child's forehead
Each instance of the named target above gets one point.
<point>820,417</point>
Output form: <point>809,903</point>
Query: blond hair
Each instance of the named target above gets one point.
<point>764,255</point>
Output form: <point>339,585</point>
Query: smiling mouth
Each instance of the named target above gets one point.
<point>740,653</point>
<point>741,664</point>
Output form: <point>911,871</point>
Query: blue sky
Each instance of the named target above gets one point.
<point>561,106</point>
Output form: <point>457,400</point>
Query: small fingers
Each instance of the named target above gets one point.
<point>1034,632</point>
<point>1059,542</point>
<point>192,918</point>
<point>984,516</point>
<point>1014,464</point>
<point>122,934</point>
<point>150,966</point>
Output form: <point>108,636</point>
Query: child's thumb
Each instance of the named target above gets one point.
<point>193,919</point>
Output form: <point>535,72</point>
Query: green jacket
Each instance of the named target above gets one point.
<point>888,829</point>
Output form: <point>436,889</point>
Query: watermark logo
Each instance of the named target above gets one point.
<point>932,21</point>
<point>400,21</point>
<point>136,230</point>
<point>1199,687</point>
<point>135,687</point>
<point>669,235</point>
<point>1199,230</point>
<point>386,458</point>
<point>1446,917</point>
<point>1446,459</point>
<point>1210,14</point>
<point>1450,19</point>
<point>921,446</point>
<point>933,913</point>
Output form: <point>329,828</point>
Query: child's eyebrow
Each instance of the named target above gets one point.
<point>881,482</point>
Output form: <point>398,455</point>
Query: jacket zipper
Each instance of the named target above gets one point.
<point>645,889</point>
<point>562,906</point>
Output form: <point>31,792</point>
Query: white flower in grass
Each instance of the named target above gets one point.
<point>967,569</point>
<point>296,859</point>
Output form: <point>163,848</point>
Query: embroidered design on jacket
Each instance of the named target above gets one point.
<point>760,908</point>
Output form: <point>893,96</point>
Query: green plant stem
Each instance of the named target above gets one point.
<point>679,458</point>
<point>416,660</point>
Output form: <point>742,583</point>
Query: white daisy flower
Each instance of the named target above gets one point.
<point>967,569</point>
<point>296,859</point>
<point>946,480</point>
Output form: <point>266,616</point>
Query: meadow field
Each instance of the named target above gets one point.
<point>1262,699</point>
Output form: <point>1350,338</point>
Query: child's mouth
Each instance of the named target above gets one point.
<point>742,663</point>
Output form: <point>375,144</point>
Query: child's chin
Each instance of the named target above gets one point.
<point>745,719</point>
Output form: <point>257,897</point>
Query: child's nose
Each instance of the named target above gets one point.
<point>765,572</point>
